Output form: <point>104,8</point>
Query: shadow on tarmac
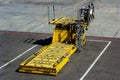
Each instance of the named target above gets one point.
<point>43,42</point>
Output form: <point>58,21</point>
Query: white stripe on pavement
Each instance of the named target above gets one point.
<point>17,57</point>
<point>92,65</point>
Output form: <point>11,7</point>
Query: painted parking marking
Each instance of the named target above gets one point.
<point>88,70</point>
<point>1,67</point>
<point>95,61</point>
<point>69,8</point>
<point>97,40</point>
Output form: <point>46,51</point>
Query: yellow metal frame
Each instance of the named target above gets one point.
<point>51,59</point>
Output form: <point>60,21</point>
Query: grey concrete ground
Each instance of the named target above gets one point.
<point>107,22</point>
<point>31,15</point>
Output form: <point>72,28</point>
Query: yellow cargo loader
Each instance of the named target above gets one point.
<point>68,36</point>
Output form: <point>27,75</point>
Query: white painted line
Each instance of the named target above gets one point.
<point>91,66</point>
<point>17,57</point>
<point>97,40</point>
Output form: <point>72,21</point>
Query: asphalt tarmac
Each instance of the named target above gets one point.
<point>99,59</point>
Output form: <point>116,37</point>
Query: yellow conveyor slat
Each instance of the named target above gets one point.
<point>48,61</point>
